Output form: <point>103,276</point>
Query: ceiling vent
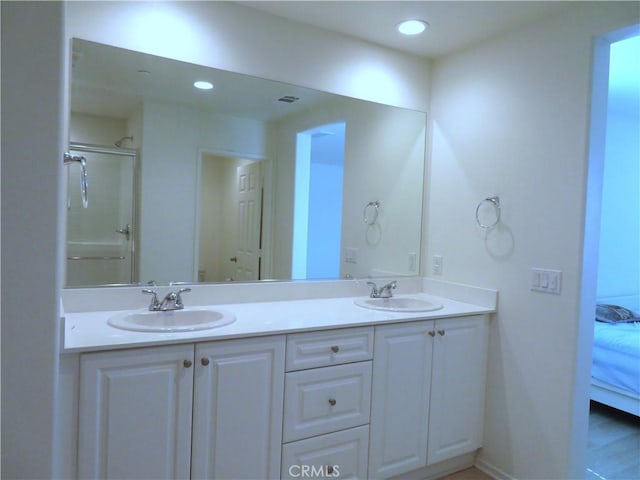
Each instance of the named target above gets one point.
<point>288,99</point>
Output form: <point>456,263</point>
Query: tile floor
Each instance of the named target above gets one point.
<point>613,450</point>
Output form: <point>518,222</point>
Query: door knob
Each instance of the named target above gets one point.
<point>234,259</point>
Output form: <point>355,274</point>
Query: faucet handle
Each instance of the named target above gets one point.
<point>155,304</point>
<point>179,293</point>
<point>374,289</point>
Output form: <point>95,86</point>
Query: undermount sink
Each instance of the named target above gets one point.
<point>398,304</point>
<point>187,320</point>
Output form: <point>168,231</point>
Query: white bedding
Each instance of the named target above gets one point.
<point>616,355</point>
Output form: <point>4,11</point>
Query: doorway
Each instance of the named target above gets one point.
<point>317,223</point>
<point>231,218</point>
<point>611,264</point>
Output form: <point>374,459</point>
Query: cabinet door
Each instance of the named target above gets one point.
<point>237,418</point>
<point>400,398</point>
<point>458,387</point>
<point>135,413</point>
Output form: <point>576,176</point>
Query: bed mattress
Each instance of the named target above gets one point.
<point>616,355</point>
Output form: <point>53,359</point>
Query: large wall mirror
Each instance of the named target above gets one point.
<point>248,180</point>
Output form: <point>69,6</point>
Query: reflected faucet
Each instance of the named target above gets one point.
<point>171,301</point>
<point>385,291</point>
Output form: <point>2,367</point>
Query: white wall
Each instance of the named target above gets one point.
<point>33,130</point>
<point>105,131</point>
<point>511,117</point>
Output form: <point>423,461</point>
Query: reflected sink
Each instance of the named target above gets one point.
<point>398,304</point>
<point>187,320</point>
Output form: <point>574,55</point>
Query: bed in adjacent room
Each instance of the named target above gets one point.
<point>615,373</point>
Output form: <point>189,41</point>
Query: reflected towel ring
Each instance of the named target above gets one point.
<point>370,212</point>
<point>68,159</point>
<point>495,203</point>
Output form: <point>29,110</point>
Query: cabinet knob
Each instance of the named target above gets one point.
<point>335,348</point>
<point>441,333</point>
<point>432,333</point>
<point>332,401</point>
<point>204,361</point>
<point>187,363</point>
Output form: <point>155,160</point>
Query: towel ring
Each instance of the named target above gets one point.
<point>68,159</point>
<point>495,203</point>
<point>371,218</point>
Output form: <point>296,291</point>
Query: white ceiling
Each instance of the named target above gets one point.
<point>453,25</point>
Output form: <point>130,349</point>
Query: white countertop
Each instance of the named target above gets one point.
<point>89,331</point>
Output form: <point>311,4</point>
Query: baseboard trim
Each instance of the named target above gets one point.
<point>492,470</point>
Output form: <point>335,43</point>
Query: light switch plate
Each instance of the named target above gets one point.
<point>545,280</point>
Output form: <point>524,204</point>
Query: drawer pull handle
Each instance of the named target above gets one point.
<point>332,401</point>
<point>441,333</point>
<point>335,348</point>
<point>187,363</point>
<point>204,361</point>
<point>432,333</point>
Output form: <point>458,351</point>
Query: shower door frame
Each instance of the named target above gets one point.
<point>123,152</point>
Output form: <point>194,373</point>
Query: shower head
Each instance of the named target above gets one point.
<point>119,142</point>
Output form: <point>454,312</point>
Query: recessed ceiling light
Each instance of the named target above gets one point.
<point>202,85</point>
<point>412,27</point>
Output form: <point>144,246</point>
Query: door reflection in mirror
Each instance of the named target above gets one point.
<point>230,219</point>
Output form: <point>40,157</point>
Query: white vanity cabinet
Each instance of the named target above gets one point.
<point>327,404</point>
<point>213,410</point>
<point>428,393</point>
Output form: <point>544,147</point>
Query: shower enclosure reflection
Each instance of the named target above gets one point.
<point>100,237</point>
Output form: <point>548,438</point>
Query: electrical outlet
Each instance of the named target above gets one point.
<point>545,280</point>
<point>413,261</point>
<point>437,265</point>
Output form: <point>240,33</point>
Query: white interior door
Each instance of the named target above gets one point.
<point>249,214</point>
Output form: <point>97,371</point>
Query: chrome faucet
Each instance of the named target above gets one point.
<point>385,291</point>
<point>171,301</point>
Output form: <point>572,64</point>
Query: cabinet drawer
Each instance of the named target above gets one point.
<point>324,400</point>
<point>319,349</point>
<point>339,455</point>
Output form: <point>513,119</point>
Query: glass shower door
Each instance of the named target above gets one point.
<point>100,238</point>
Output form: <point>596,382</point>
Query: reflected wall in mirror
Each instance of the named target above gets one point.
<point>250,180</point>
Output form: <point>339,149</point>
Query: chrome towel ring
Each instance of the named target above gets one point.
<point>370,212</point>
<point>68,160</point>
<point>493,202</point>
